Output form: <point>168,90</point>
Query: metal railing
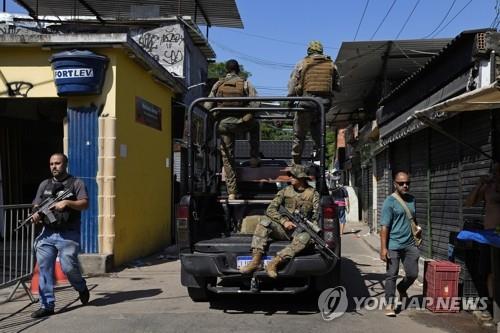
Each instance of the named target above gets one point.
<point>16,246</point>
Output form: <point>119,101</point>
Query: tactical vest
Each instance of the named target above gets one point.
<point>66,218</point>
<point>317,75</point>
<point>302,201</point>
<point>232,87</point>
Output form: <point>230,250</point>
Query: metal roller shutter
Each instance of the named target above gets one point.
<point>369,174</point>
<point>400,156</point>
<point>364,194</point>
<point>475,130</point>
<point>445,188</point>
<point>384,181</point>
<point>420,183</point>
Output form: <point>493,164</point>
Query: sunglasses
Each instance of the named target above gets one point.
<point>403,183</point>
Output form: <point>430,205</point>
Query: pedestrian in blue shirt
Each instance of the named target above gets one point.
<point>397,241</point>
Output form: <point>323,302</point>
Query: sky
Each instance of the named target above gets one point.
<point>276,32</point>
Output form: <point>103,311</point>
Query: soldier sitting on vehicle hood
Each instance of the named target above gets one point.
<point>299,195</point>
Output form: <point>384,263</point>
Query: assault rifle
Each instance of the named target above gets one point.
<point>45,207</point>
<point>304,225</point>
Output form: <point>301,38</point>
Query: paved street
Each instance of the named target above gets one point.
<point>149,298</point>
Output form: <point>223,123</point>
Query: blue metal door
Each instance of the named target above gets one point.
<point>82,154</point>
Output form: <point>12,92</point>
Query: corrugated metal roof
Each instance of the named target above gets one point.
<point>219,13</point>
<point>364,64</point>
<point>430,61</point>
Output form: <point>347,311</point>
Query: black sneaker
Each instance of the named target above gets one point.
<point>84,296</point>
<point>42,312</point>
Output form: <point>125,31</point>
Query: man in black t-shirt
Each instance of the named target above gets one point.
<point>61,238</point>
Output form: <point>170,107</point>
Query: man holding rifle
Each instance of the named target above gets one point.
<point>60,235</point>
<point>297,196</point>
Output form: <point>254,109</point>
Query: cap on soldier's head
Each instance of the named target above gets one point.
<point>315,47</point>
<point>298,171</point>
<point>232,66</point>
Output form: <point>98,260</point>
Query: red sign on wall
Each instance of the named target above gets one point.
<point>147,113</point>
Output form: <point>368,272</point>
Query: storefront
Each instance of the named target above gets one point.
<point>117,135</point>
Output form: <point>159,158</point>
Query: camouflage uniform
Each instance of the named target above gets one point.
<point>310,121</point>
<point>232,124</point>
<point>271,225</point>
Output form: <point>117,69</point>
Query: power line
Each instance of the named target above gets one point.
<point>278,40</point>
<point>361,20</point>
<point>442,21</point>
<point>383,20</point>
<point>407,19</point>
<point>256,60</point>
<point>454,17</point>
<point>495,20</point>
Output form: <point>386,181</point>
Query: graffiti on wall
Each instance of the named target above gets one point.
<point>165,45</point>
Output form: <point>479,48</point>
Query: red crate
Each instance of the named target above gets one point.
<point>441,292</point>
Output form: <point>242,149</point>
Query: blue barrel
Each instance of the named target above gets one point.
<point>79,72</point>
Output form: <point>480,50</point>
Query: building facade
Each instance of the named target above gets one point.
<point>119,141</point>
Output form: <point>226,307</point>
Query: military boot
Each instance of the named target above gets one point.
<point>254,264</point>
<point>272,267</point>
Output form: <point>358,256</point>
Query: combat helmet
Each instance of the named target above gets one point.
<point>315,46</point>
<point>298,171</point>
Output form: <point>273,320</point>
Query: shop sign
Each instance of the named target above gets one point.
<point>147,113</point>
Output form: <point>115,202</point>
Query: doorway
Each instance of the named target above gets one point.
<point>31,129</point>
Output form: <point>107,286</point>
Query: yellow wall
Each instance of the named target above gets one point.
<point>28,64</point>
<point>143,182</point>
<point>31,64</point>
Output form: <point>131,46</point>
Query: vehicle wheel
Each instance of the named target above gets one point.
<point>198,294</point>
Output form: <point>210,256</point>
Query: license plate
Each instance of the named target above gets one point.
<point>244,260</point>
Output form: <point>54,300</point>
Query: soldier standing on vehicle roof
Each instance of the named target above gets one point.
<point>299,195</point>
<point>234,122</point>
<point>316,76</point>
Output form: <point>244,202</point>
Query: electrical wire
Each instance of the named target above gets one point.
<point>256,60</point>
<point>454,17</point>
<point>278,40</point>
<point>442,21</point>
<point>383,20</point>
<point>495,20</point>
<point>361,20</point>
<point>407,19</point>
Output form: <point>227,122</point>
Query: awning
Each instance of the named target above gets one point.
<point>485,98</point>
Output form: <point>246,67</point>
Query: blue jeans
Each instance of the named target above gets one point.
<point>47,246</point>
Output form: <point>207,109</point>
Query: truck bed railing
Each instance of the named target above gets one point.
<point>213,163</point>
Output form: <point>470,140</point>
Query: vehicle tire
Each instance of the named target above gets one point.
<point>198,294</point>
